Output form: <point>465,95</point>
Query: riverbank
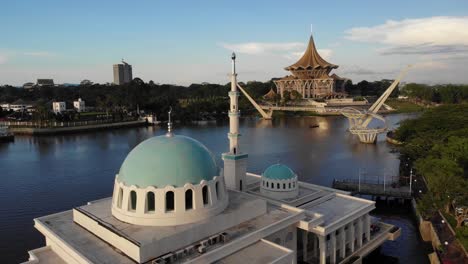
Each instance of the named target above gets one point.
<point>433,151</point>
<point>25,130</point>
<point>404,106</point>
<point>7,138</point>
<point>390,138</point>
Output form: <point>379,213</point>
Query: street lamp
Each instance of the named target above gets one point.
<point>410,180</point>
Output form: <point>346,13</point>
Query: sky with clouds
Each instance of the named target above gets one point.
<point>183,42</point>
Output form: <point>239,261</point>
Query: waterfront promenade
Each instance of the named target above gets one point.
<point>46,128</point>
<point>372,188</point>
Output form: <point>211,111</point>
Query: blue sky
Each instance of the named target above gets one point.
<point>191,41</point>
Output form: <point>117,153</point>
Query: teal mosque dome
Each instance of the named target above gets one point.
<point>279,172</point>
<point>168,160</point>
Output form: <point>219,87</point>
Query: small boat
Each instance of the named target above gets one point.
<point>5,135</point>
<point>314,126</point>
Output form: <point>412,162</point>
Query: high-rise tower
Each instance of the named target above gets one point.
<point>235,162</point>
<point>122,73</point>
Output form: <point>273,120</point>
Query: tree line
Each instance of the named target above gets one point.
<point>445,94</point>
<point>192,102</point>
<point>196,101</point>
<point>436,144</point>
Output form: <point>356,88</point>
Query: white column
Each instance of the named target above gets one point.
<point>323,250</point>
<point>351,236</point>
<point>304,245</point>
<point>343,242</point>
<point>234,111</point>
<point>359,232</point>
<point>333,247</point>
<point>367,227</point>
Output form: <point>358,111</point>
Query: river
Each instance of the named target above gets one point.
<point>48,174</point>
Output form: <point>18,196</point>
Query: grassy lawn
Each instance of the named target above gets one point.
<point>404,106</point>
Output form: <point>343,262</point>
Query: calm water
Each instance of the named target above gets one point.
<point>43,175</point>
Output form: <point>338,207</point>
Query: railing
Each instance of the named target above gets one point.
<point>299,108</point>
<point>373,188</point>
<point>55,124</point>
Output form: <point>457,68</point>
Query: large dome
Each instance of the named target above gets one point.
<point>279,172</point>
<point>168,160</point>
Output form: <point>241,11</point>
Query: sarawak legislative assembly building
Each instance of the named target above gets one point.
<point>310,76</point>
<point>172,204</point>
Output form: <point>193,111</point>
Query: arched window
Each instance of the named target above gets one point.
<point>133,200</point>
<point>289,185</point>
<point>188,199</point>
<point>205,194</point>
<point>150,207</point>
<point>284,185</point>
<point>169,201</point>
<point>120,198</point>
<point>268,184</point>
<point>277,186</point>
<point>217,190</point>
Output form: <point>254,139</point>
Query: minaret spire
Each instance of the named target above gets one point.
<point>234,112</point>
<point>235,161</point>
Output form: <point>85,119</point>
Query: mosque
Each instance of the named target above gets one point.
<point>172,203</point>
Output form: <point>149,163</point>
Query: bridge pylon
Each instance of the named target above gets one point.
<point>359,120</point>
<point>265,114</point>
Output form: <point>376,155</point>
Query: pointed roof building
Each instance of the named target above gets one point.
<point>311,59</point>
<point>271,95</point>
<point>310,75</point>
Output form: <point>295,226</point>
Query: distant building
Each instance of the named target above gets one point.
<point>122,73</point>
<point>45,82</point>
<point>29,86</point>
<point>17,106</point>
<point>58,107</point>
<point>79,105</point>
<point>310,76</point>
<point>339,83</point>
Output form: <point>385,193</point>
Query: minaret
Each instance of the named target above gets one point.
<point>235,162</point>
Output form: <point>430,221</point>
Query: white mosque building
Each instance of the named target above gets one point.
<point>172,204</point>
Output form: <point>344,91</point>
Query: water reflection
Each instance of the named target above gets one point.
<point>47,174</point>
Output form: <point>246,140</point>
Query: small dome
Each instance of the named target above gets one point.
<point>279,172</point>
<point>168,160</point>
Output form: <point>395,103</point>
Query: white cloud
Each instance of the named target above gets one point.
<point>325,53</point>
<point>430,64</point>
<point>432,35</point>
<point>255,48</point>
<point>288,50</point>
